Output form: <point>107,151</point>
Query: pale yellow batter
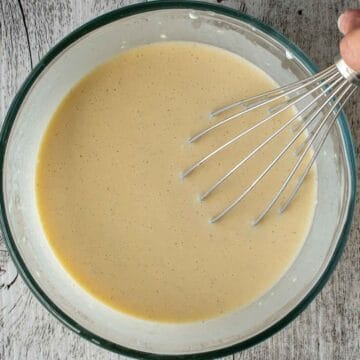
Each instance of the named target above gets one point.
<point>113,205</point>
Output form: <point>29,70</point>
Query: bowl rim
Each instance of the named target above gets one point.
<point>12,114</point>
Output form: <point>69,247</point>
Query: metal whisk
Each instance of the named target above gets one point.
<point>331,87</point>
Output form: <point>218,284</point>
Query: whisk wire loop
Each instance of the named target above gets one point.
<point>270,166</point>
<point>270,138</point>
<point>329,90</point>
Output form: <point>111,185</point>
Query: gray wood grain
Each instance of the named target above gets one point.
<point>328,329</point>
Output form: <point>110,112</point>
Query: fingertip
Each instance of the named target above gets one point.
<point>340,23</point>
<point>348,21</point>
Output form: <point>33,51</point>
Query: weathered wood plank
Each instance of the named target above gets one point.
<point>328,329</point>
<point>15,64</point>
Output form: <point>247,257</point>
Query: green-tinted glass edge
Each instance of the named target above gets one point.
<point>16,104</point>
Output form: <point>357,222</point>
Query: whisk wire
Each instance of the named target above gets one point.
<point>260,104</point>
<point>273,162</point>
<point>245,132</point>
<point>301,158</point>
<point>260,146</point>
<point>331,88</point>
<point>316,152</point>
<point>279,90</point>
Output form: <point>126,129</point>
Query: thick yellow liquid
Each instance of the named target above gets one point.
<point>117,213</point>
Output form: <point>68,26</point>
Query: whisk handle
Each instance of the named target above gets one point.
<point>345,70</point>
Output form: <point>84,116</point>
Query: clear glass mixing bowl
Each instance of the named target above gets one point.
<point>27,119</point>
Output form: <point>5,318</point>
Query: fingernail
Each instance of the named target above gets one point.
<point>339,23</point>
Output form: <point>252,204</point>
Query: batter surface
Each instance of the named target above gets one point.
<point>114,207</point>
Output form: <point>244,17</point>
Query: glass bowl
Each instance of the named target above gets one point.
<point>28,117</point>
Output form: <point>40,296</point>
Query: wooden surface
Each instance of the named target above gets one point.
<point>328,329</point>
